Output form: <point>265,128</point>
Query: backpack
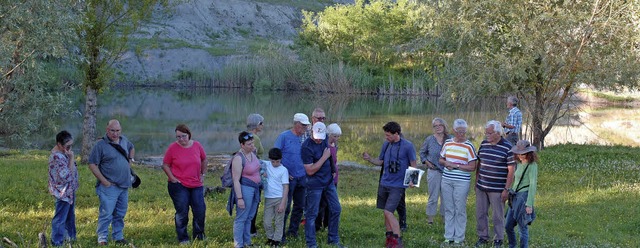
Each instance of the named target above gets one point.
<point>227,178</point>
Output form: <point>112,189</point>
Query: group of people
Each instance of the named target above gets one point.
<point>504,167</point>
<point>300,179</point>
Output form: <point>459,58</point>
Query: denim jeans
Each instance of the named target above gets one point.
<point>242,223</point>
<point>114,202</point>
<point>183,198</point>
<point>454,198</point>
<point>518,216</point>
<point>311,212</point>
<point>63,224</point>
<point>297,192</point>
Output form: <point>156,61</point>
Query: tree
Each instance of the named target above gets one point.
<point>539,50</point>
<point>382,33</point>
<point>106,27</point>
<point>33,47</point>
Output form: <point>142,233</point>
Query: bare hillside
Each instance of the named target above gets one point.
<point>203,35</point>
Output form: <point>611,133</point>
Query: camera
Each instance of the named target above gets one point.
<point>394,166</point>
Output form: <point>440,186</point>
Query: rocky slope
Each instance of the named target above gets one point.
<point>204,35</point>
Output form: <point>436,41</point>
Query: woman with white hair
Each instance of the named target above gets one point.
<point>254,126</point>
<point>459,159</point>
<point>333,134</point>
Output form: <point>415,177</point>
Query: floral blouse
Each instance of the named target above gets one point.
<point>63,180</point>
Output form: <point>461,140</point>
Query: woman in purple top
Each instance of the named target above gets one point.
<point>63,183</point>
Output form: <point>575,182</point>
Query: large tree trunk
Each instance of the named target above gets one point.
<point>89,123</point>
<point>537,118</point>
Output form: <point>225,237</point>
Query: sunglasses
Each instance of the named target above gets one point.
<point>320,118</point>
<point>248,136</point>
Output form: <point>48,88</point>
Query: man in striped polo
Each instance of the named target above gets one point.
<point>493,177</point>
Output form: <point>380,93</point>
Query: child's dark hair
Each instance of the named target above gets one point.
<point>275,154</point>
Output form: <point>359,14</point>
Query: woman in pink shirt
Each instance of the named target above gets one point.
<point>185,164</point>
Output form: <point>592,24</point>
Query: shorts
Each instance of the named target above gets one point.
<point>389,197</point>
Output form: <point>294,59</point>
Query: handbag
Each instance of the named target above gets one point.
<point>135,179</point>
<point>512,193</point>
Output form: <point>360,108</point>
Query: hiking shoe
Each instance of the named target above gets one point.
<point>393,242</point>
<point>102,243</point>
<point>458,244</point>
<point>497,243</point>
<point>122,242</point>
<point>185,243</point>
<point>447,242</point>
<point>481,242</point>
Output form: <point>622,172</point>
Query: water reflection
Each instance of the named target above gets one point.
<point>215,116</point>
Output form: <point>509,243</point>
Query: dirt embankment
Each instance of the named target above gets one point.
<point>204,35</point>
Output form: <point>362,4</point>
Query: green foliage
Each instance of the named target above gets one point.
<point>34,79</point>
<point>585,194</point>
<point>105,30</point>
<point>381,33</point>
<point>538,50</point>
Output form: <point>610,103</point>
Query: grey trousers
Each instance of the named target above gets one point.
<point>271,213</point>
<point>484,200</point>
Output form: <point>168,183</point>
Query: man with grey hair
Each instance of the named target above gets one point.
<point>493,177</point>
<point>513,124</point>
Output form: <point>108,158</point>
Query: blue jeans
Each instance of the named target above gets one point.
<point>242,223</point>
<point>311,212</point>
<point>114,202</point>
<point>63,224</point>
<point>518,216</point>
<point>297,194</point>
<point>183,198</point>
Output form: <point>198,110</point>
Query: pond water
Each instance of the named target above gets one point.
<point>215,116</point>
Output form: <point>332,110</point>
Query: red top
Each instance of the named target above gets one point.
<point>185,163</point>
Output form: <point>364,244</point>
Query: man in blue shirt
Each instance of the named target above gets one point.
<point>110,164</point>
<point>290,145</point>
<point>396,155</point>
<point>316,157</point>
<point>513,123</point>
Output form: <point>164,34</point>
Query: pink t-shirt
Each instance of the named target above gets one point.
<point>252,169</point>
<point>185,163</point>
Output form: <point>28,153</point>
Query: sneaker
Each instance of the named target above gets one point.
<point>481,242</point>
<point>337,245</point>
<point>184,243</point>
<point>102,243</point>
<point>122,242</point>
<point>255,234</point>
<point>458,244</point>
<point>275,244</point>
<point>447,243</point>
<point>393,242</point>
<point>497,243</point>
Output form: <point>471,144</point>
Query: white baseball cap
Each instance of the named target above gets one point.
<point>302,118</point>
<point>319,131</point>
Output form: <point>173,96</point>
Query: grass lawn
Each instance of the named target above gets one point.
<point>588,196</point>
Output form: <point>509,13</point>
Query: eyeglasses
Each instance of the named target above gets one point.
<point>438,125</point>
<point>489,134</point>
<point>248,136</point>
<point>320,118</point>
<point>461,131</point>
<point>182,136</point>
<point>259,123</point>
<point>114,130</point>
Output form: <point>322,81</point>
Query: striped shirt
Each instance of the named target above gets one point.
<point>461,153</point>
<point>494,165</point>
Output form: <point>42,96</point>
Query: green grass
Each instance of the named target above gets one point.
<point>588,196</point>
